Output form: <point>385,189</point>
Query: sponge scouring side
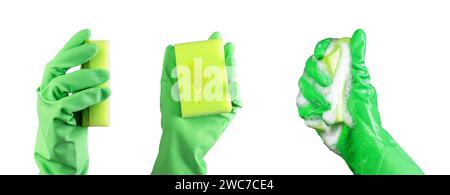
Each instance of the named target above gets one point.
<point>98,115</point>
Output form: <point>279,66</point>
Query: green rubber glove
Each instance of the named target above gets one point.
<point>61,144</point>
<point>185,141</point>
<point>337,99</point>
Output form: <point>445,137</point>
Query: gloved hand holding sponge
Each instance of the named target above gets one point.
<point>61,144</point>
<point>337,99</point>
<point>191,121</point>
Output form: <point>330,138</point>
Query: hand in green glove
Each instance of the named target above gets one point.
<point>185,141</point>
<point>61,145</point>
<point>337,99</point>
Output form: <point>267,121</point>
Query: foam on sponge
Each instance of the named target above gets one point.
<point>336,64</point>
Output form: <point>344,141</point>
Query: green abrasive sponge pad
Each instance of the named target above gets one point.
<point>202,78</point>
<point>98,115</point>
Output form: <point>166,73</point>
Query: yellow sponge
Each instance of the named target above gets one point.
<point>98,115</point>
<point>202,78</point>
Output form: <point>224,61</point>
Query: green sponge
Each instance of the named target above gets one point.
<point>98,115</point>
<point>202,78</point>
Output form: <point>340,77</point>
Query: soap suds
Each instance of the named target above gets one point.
<point>331,136</point>
<point>301,101</point>
<point>331,123</point>
<point>337,90</point>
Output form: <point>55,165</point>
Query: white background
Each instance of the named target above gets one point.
<point>407,56</point>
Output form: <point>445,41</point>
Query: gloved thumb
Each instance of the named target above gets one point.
<point>358,50</point>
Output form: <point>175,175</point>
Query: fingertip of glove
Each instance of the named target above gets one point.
<point>229,47</point>
<point>359,35</point>
<point>321,48</point>
<point>215,35</point>
<point>91,47</point>
<point>229,54</point>
<point>88,49</point>
<point>102,74</point>
<point>170,47</point>
<point>85,32</point>
<point>359,32</point>
<point>105,92</point>
<point>358,46</point>
<point>169,50</point>
<point>83,35</point>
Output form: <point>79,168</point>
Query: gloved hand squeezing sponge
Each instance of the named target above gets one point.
<point>337,99</point>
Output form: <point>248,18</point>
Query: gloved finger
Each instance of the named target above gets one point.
<point>78,39</point>
<point>66,60</point>
<point>313,95</point>
<point>215,35</point>
<point>309,111</point>
<point>229,54</point>
<point>76,81</point>
<point>230,62</point>
<point>169,66</point>
<point>83,99</point>
<point>358,46</point>
<point>313,71</point>
<point>74,56</point>
<point>360,73</point>
<point>321,48</point>
<point>231,74</point>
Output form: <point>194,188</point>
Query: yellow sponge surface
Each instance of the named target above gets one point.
<point>202,78</point>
